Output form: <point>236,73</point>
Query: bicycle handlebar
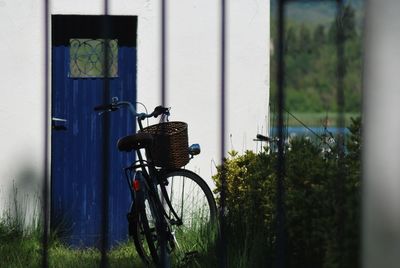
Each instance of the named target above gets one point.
<point>159,110</point>
<point>115,105</point>
<point>105,108</point>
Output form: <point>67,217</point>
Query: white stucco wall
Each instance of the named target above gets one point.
<point>193,76</point>
<point>21,100</point>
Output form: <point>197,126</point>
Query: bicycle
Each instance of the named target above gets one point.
<point>172,208</point>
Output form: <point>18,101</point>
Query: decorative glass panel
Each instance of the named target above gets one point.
<point>87,58</point>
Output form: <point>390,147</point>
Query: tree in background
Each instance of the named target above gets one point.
<point>310,66</point>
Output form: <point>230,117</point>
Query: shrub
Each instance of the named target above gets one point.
<point>322,204</point>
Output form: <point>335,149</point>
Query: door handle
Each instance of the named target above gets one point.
<point>58,123</point>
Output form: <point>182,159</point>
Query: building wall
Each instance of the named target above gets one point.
<point>21,101</point>
<point>193,46</point>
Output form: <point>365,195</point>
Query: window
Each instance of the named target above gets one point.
<point>87,58</point>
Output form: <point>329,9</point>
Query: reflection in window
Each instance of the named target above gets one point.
<point>87,58</point>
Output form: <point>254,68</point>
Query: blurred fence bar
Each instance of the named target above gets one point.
<point>46,177</point>
<point>223,241</point>
<point>341,175</point>
<point>163,63</point>
<point>381,155</point>
<point>106,148</point>
<point>280,199</point>
<point>164,258</point>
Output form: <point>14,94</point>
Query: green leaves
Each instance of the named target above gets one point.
<point>311,65</point>
<point>312,204</point>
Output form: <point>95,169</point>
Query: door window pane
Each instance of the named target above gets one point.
<point>87,58</point>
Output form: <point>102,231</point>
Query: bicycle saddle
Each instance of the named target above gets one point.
<point>135,142</point>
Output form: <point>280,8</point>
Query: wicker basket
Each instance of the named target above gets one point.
<point>170,147</point>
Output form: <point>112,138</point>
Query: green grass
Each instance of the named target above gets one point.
<point>25,251</point>
<point>202,241</point>
<point>22,248</point>
<point>20,245</point>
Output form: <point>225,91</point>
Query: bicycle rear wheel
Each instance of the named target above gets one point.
<point>146,229</point>
<point>193,215</point>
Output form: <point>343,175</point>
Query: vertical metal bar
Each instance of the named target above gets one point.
<point>341,175</point>
<point>46,206</point>
<point>280,207</point>
<point>106,138</point>
<point>164,258</point>
<point>380,152</point>
<point>341,69</point>
<point>163,50</point>
<point>223,243</point>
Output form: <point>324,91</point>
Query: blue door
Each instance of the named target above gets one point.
<point>77,140</point>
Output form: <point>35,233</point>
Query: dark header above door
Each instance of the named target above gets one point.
<point>65,27</point>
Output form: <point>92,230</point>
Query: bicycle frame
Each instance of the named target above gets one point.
<point>152,177</point>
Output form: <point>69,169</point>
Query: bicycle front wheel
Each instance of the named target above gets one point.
<point>192,214</point>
